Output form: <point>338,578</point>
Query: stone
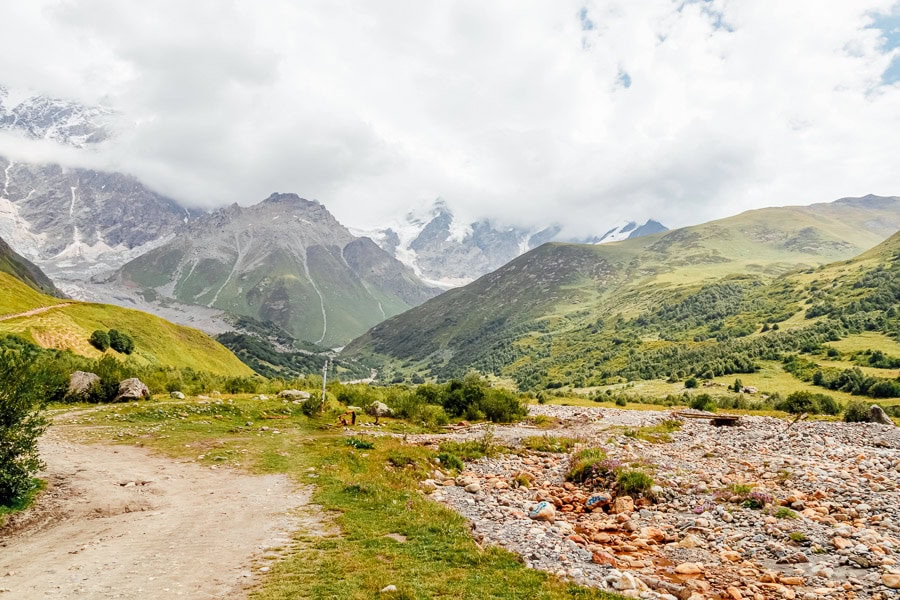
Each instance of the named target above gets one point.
<point>389,589</point>
<point>597,500</point>
<point>691,541</point>
<point>841,543</point>
<point>604,558</point>
<point>378,410</point>
<point>81,384</point>
<point>294,395</point>
<point>132,389</point>
<point>473,488</point>
<point>731,555</point>
<point>877,415</point>
<point>734,593</point>
<point>543,511</point>
<point>688,569</point>
<point>176,395</point>
<point>891,580</point>
<point>623,505</point>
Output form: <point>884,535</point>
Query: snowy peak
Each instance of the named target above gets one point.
<point>629,229</point>
<point>64,121</point>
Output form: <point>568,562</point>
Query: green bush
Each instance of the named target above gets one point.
<point>856,412</point>
<point>703,402</point>
<point>24,388</point>
<point>120,342</point>
<point>450,461</point>
<point>690,383</point>
<point>634,482</point>
<point>581,467</point>
<point>807,402</point>
<point>100,340</point>
<point>621,401</point>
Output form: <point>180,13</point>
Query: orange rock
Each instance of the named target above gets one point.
<point>604,558</point>
<point>734,593</point>
<point>731,555</point>
<point>688,569</point>
<point>791,580</point>
<point>652,533</point>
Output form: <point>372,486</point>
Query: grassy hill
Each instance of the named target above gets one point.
<point>67,325</point>
<point>23,270</point>
<point>681,301</point>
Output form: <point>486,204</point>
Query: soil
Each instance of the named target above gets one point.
<point>120,522</point>
<point>33,311</point>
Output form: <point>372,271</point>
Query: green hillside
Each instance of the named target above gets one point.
<point>689,301</point>
<point>23,270</point>
<point>67,325</point>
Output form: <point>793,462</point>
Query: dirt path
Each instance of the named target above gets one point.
<point>119,522</point>
<point>34,311</point>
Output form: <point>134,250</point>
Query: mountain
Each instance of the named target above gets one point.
<point>67,325</point>
<point>78,222</point>
<point>629,229</point>
<point>286,260</point>
<point>561,312</point>
<point>42,117</point>
<point>25,271</point>
<point>448,253</point>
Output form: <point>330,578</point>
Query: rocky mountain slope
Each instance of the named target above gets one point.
<point>541,318</point>
<point>25,271</point>
<point>448,253</point>
<point>285,260</point>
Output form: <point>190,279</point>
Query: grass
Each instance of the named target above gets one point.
<point>549,443</point>
<point>867,341</point>
<point>655,434</point>
<point>634,482</point>
<point>18,297</point>
<point>583,462</point>
<point>22,502</point>
<point>157,341</point>
<point>367,496</point>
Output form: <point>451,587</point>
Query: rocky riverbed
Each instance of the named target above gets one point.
<point>829,526</point>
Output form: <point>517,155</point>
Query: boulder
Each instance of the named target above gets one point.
<point>132,389</point>
<point>877,415</point>
<point>81,384</point>
<point>543,511</point>
<point>177,395</point>
<point>623,505</point>
<point>294,395</point>
<point>597,501</point>
<point>379,409</point>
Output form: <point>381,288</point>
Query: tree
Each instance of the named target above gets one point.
<point>99,340</point>
<point>24,388</point>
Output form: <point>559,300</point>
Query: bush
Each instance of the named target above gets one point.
<point>359,444</point>
<point>691,383</point>
<point>100,340</point>
<point>450,461</point>
<point>621,401</point>
<point>120,342</point>
<point>583,463</point>
<point>634,482</point>
<point>24,388</point>
<point>856,412</point>
<point>703,402</point>
<point>807,402</point>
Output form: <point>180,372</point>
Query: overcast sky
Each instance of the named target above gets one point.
<point>528,112</point>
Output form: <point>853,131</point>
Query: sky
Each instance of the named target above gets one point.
<point>582,113</point>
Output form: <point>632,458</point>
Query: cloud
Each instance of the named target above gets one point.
<point>526,112</point>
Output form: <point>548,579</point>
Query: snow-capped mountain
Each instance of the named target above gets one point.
<point>629,229</point>
<point>64,121</point>
<point>447,252</point>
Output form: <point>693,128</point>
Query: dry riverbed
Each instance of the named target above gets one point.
<point>836,535</point>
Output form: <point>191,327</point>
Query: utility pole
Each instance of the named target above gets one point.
<point>324,380</point>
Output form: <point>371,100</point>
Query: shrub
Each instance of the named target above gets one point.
<point>24,388</point>
<point>621,401</point>
<point>798,537</point>
<point>450,461</point>
<point>312,406</point>
<point>691,383</point>
<point>856,412</point>
<point>583,463</point>
<point>634,482</point>
<point>120,342</point>
<point>99,340</point>
<point>359,444</point>
<point>703,402</point>
<point>807,402</point>
<point>785,513</point>
<point>502,406</point>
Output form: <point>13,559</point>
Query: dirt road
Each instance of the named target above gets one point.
<point>119,522</point>
<point>34,311</point>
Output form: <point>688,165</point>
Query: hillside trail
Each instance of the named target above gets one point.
<point>121,522</point>
<point>34,311</point>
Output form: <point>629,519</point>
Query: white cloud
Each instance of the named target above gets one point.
<point>512,110</point>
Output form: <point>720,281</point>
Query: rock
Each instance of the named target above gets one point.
<point>132,389</point>
<point>81,384</point>
<point>263,397</point>
<point>688,569</point>
<point>731,555</point>
<point>389,589</point>
<point>734,593</point>
<point>891,580</point>
<point>841,543</point>
<point>176,395</point>
<point>379,409</point>
<point>604,558</point>
<point>473,488</point>
<point>623,505</point>
<point>691,541</point>
<point>877,415</point>
<point>294,395</point>
<point>543,511</point>
<point>597,500</point>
